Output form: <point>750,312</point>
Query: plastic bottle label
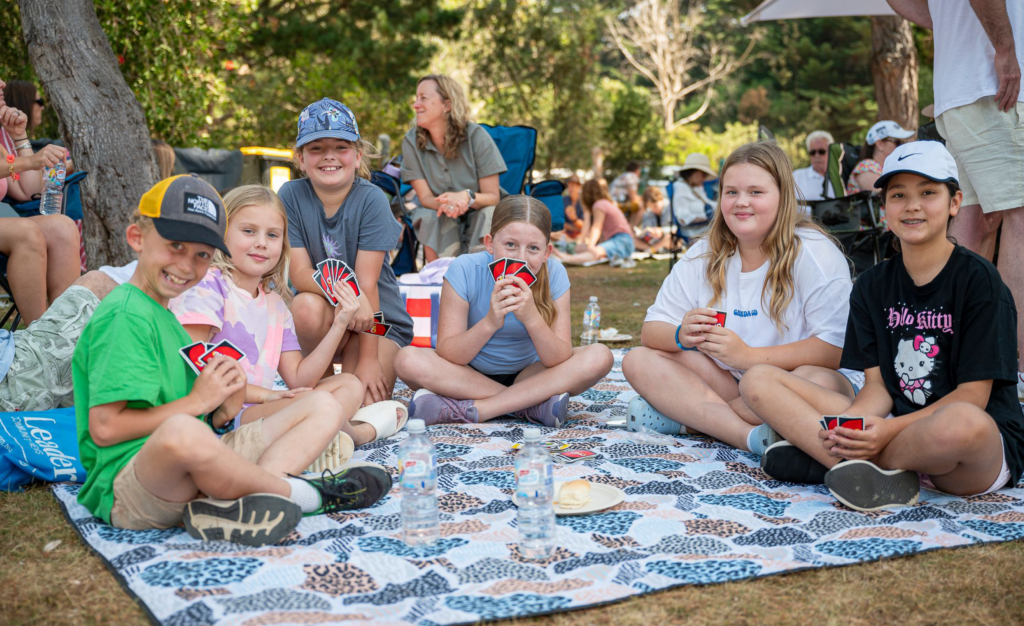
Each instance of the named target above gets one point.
<point>417,470</point>
<point>529,478</point>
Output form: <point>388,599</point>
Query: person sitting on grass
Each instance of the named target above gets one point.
<point>503,347</point>
<point>934,328</point>
<point>145,420</point>
<point>244,299</point>
<point>607,225</point>
<point>781,284</point>
<point>650,231</point>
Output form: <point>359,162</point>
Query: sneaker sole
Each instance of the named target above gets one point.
<point>255,520</point>
<point>788,463</point>
<point>642,413</point>
<point>863,486</point>
<point>560,409</point>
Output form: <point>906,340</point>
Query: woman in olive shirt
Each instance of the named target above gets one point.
<point>453,166</point>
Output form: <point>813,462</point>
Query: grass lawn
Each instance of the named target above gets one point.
<point>979,585</point>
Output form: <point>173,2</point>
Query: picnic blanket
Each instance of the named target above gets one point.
<point>696,513</point>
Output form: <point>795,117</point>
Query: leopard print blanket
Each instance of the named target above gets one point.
<point>696,512</point>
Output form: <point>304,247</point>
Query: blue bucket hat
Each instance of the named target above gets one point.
<point>326,119</point>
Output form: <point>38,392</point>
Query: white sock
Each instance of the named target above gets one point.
<point>304,495</point>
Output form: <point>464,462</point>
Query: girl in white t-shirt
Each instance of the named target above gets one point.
<point>783,286</point>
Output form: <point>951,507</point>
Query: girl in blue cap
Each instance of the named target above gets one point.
<point>934,331</point>
<point>335,212</point>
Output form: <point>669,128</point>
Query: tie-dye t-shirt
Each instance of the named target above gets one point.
<point>261,327</point>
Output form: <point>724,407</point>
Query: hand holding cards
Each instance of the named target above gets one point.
<point>831,422</point>
<point>198,354</point>
<point>332,272</point>
<point>507,268</point>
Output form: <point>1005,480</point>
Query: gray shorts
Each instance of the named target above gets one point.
<point>40,375</point>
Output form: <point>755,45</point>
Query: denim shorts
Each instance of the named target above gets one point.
<point>855,378</point>
<point>619,246</point>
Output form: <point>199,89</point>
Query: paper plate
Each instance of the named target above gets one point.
<point>616,338</point>
<point>601,497</point>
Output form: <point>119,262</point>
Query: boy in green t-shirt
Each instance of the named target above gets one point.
<point>147,456</point>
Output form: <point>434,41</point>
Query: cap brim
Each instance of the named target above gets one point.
<point>885,177</point>
<point>326,134</point>
<point>903,134</point>
<point>185,232</point>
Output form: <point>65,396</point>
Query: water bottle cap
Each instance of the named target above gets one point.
<point>593,298</point>
<point>417,426</point>
<point>531,434</point>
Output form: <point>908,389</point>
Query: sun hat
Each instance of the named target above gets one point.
<point>186,208</point>
<point>698,161</point>
<point>887,129</point>
<point>326,119</point>
<point>930,159</point>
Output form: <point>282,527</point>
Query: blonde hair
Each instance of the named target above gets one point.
<point>652,195</point>
<point>529,210</point>
<point>143,222</point>
<point>456,123</point>
<point>781,245</point>
<point>276,280</point>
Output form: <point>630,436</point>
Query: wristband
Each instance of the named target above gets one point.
<point>23,146</point>
<point>681,346</point>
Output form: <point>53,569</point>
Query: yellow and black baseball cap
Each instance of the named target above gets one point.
<point>187,208</point>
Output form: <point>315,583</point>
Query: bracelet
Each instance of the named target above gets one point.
<point>10,168</point>
<point>25,146</point>
<point>681,346</point>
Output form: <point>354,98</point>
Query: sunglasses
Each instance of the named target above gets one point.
<point>817,152</point>
<point>40,102</point>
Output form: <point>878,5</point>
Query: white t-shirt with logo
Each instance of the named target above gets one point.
<point>965,68</point>
<point>819,307</point>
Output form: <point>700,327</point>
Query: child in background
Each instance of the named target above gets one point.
<point>934,329</point>
<point>145,419</point>
<point>243,299</point>
<point>608,226</point>
<point>650,233</point>
<point>782,284</point>
<point>336,212</point>
<point>503,347</point>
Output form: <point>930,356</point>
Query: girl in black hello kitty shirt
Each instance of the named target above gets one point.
<point>934,330</point>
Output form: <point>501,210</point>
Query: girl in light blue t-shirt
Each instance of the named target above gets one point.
<point>494,338</point>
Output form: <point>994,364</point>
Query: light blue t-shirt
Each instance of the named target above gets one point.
<point>6,352</point>
<point>510,349</point>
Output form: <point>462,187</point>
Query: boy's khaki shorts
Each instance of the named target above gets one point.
<point>137,509</point>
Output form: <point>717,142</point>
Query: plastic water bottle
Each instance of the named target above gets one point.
<point>53,195</point>
<point>417,461</point>
<point>535,489</point>
<point>591,322</point>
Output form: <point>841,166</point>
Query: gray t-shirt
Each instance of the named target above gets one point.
<point>364,222</point>
<point>478,158</point>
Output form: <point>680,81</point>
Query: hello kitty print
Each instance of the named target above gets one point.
<point>918,355</point>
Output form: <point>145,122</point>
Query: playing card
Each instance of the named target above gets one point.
<point>575,455</point>
<point>321,281</point>
<point>832,421</point>
<point>351,281</point>
<point>379,329</point>
<point>527,275</point>
<point>824,424</point>
<point>325,270</point>
<point>379,317</point>
<point>225,348</point>
<point>720,316</point>
<point>497,268</point>
<point>552,446</point>
<point>853,423</point>
<point>192,353</point>
<point>512,266</point>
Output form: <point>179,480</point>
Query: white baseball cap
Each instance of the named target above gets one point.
<point>887,129</point>
<point>930,159</point>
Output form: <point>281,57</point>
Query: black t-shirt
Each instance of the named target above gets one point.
<point>960,327</point>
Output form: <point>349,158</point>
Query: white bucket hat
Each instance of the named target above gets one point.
<point>698,161</point>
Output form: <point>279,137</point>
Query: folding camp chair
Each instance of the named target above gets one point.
<point>681,233</point>
<point>12,313</point>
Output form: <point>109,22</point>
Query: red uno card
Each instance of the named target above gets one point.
<point>853,423</point>
<point>720,316</point>
<point>824,424</point>
<point>192,354</point>
<point>379,329</point>
<point>225,348</point>
<point>353,283</point>
<point>379,317</point>
<point>571,456</point>
<point>527,275</point>
<point>512,266</point>
<point>325,286</point>
<point>497,268</point>
<point>832,421</point>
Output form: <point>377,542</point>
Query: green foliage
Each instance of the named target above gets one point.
<point>633,130</point>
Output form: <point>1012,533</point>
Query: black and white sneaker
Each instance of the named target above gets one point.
<point>353,486</point>
<point>786,462</point>
<point>863,486</point>
<point>256,520</point>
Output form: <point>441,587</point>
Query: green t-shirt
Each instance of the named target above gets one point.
<point>127,351</point>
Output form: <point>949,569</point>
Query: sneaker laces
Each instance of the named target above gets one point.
<point>332,496</point>
<point>454,410</point>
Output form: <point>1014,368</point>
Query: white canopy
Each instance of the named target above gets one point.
<point>795,9</point>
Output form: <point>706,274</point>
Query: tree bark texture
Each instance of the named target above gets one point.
<point>102,123</point>
<point>894,68</point>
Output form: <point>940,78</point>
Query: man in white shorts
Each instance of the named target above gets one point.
<point>979,110</point>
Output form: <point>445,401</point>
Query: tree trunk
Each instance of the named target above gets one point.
<point>894,68</point>
<point>101,121</point>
